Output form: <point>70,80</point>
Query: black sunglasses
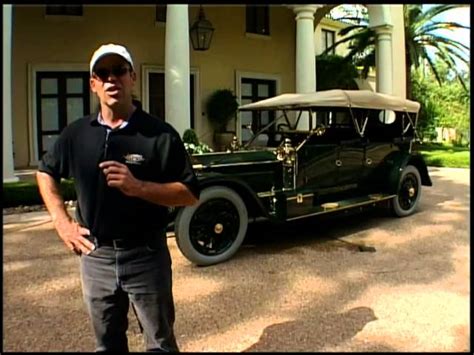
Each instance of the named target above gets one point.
<point>104,73</point>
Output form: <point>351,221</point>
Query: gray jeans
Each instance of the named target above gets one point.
<point>111,278</point>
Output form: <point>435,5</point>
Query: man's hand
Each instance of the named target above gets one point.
<point>69,231</point>
<point>72,235</point>
<point>118,175</point>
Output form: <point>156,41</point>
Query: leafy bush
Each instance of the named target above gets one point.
<point>192,144</point>
<point>221,107</point>
<point>446,106</point>
<point>25,193</point>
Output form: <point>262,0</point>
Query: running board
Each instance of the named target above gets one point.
<point>329,207</point>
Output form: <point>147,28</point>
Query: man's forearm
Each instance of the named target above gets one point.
<point>49,190</point>
<point>167,194</point>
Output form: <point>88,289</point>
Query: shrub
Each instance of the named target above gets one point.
<point>190,136</point>
<point>27,194</point>
<point>335,72</point>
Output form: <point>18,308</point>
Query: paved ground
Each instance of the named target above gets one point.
<point>305,287</point>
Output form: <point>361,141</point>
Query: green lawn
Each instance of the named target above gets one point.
<point>444,155</point>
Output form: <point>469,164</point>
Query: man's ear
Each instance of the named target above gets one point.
<point>134,75</point>
<point>92,84</point>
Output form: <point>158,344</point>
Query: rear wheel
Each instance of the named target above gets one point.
<point>409,192</point>
<point>212,230</point>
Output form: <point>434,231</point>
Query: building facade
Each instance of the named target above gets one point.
<point>257,52</point>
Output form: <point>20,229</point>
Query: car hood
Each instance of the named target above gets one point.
<point>221,159</point>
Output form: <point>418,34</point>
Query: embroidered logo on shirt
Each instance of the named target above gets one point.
<point>136,159</point>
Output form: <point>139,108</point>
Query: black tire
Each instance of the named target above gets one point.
<point>212,230</point>
<point>408,193</point>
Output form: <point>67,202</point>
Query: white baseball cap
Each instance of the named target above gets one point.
<point>108,49</point>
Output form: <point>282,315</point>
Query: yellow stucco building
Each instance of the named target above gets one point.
<point>256,52</point>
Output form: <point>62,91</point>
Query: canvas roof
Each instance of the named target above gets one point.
<point>334,98</point>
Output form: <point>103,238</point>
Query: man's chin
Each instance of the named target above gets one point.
<point>113,102</point>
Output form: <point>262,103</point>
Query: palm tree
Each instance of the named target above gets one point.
<point>420,36</point>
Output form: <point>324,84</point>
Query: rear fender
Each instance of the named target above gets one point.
<point>399,162</point>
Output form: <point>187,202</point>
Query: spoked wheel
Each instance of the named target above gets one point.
<point>409,192</point>
<point>212,230</point>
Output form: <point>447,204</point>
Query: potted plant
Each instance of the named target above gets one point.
<point>221,108</point>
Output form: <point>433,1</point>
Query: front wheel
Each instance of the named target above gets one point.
<point>212,230</point>
<point>409,192</point>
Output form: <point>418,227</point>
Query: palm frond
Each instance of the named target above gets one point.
<point>355,38</point>
<point>453,53</point>
<point>443,40</point>
<point>351,18</point>
<point>446,58</point>
<point>434,70</point>
<point>443,25</point>
<point>358,28</point>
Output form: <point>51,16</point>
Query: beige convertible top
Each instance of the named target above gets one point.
<point>334,98</point>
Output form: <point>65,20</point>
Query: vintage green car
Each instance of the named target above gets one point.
<point>322,152</point>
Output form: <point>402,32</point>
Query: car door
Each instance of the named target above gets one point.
<point>350,162</point>
<point>317,165</point>
<point>381,136</point>
<point>350,154</point>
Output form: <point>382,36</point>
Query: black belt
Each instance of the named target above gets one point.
<point>120,243</point>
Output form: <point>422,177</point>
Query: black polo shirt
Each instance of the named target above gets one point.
<point>152,150</point>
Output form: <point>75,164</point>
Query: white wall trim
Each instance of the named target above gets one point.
<point>151,68</point>
<point>145,85</point>
<point>32,114</point>
<point>239,75</point>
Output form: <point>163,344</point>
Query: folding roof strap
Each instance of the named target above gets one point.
<point>405,126</point>
<point>365,124</point>
<point>414,129</point>
<point>405,129</point>
<point>310,112</point>
<point>356,123</point>
<point>297,119</point>
<point>287,119</point>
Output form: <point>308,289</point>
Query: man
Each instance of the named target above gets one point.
<point>127,167</point>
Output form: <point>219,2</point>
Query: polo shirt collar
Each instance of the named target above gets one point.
<point>101,121</point>
<point>97,119</point>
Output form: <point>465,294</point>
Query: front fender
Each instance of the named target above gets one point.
<point>253,203</point>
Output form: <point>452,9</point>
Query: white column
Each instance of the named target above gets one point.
<point>383,59</point>
<point>305,54</point>
<point>177,108</point>
<point>8,166</point>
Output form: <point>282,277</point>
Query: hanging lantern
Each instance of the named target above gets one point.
<point>201,32</point>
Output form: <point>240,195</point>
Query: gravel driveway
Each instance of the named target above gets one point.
<point>315,285</point>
